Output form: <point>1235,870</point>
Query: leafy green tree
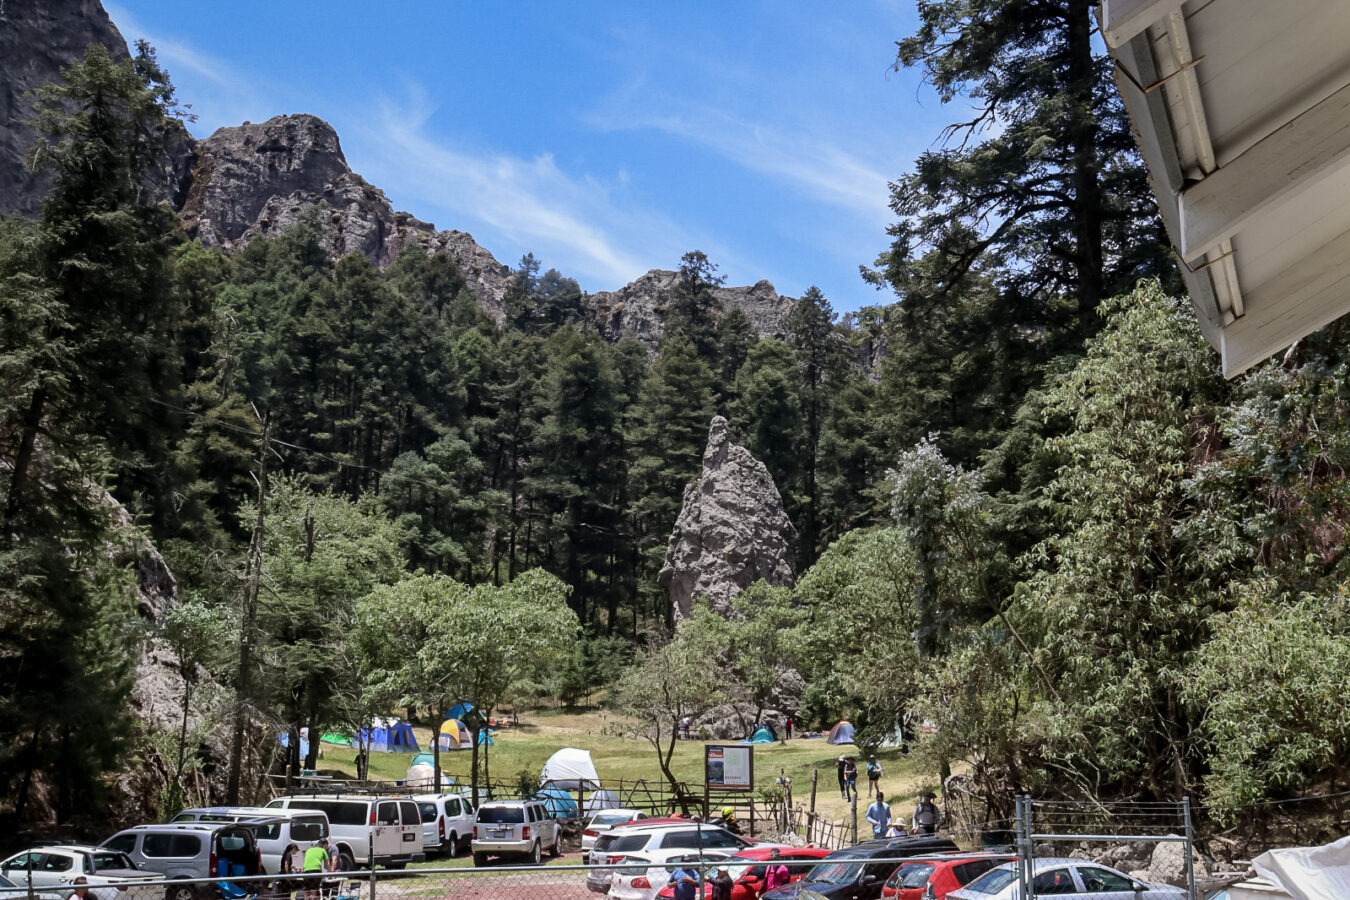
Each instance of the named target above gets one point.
<point>197,634</point>
<point>1271,684</point>
<point>1117,599</point>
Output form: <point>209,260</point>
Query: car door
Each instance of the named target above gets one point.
<point>386,835</point>
<point>1104,884</point>
<point>56,869</point>
<point>20,866</point>
<point>410,839</point>
<point>1057,882</point>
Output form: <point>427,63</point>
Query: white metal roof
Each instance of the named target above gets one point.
<point>1242,113</point>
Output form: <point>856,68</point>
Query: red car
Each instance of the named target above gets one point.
<point>747,869</point>
<point>944,873</point>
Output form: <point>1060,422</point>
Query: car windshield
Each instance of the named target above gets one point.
<point>992,882</point>
<point>911,875</point>
<point>739,865</point>
<point>842,870</point>
<point>611,818</point>
<point>501,815</point>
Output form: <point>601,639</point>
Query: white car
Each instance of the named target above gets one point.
<point>56,868</point>
<point>640,877</point>
<point>1073,879</point>
<point>642,841</point>
<point>605,820</point>
<point>447,822</point>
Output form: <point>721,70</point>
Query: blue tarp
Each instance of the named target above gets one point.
<point>458,710</point>
<point>561,804</point>
<point>284,739</point>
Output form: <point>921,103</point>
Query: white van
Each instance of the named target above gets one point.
<point>367,830</point>
<point>447,822</point>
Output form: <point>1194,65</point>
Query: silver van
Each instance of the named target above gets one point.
<point>367,829</point>
<point>274,829</point>
<point>191,850</point>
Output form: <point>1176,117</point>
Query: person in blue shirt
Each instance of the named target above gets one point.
<point>687,882</point>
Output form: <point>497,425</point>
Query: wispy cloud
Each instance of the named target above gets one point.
<point>584,221</point>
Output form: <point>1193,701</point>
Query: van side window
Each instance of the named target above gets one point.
<point>175,846</point>
<point>387,813</point>
<point>452,806</point>
<point>125,843</point>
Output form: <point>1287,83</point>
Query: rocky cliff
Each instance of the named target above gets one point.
<point>37,38</point>
<point>258,178</point>
<point>732,530</point>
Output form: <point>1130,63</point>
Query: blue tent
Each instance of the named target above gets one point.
<point>484,738</point>
<point>388,736</point>
<point>458,710</point>
<point>561,805</point>
<point>763,735</point>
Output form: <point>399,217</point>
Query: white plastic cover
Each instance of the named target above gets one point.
<point>571,769</point>
<point>1309,873</point>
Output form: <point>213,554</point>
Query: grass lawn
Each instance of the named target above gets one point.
<point>541,732</point>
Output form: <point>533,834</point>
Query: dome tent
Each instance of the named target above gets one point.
<point>842,733</point>
<point>762,735</point>
<point>570,769</point>
<point>455,735</point>
<point>387,736</point>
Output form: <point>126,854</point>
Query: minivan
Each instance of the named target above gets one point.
<point>360,823</point>
<point>274,830</point>
<point>191,850</point>
<point>447,822</point>
<point>515,828</point>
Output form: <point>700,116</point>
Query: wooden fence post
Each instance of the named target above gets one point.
<point>811,813</point>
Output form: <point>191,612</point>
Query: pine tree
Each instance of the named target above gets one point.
<point>693,310</point>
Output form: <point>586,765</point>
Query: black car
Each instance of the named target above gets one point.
<point>855,873</point>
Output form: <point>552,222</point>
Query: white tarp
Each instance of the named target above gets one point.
<point>571,770</point>
<point>1309,873</point>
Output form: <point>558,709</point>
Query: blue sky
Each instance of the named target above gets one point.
<point>606,138</point>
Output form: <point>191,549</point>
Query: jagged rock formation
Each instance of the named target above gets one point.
<point>258,179</point>
<point>731,532</point>
<point>639,307</point>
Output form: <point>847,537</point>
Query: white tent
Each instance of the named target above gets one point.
<point>571,770</point>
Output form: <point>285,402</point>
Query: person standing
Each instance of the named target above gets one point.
<point>879,816</point>
<point>315,864</point>
<point>927,817</point>
<point>850,777</point>
<point>839,770</point>
<point>290,866</point>
<point>775,873</point>
<point>721,884</point>
<point>687,882</point>
<point>873,776</point>
<point>787,727</point>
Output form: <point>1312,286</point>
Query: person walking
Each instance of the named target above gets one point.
<point>879,816</point>
<point>927,817</point>
<point>850,777</point>
<point>839,770</point>
<point>873,776</point>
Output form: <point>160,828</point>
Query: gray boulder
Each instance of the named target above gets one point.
<point>732,530</point>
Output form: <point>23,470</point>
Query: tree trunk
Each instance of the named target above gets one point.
<point>32,421</point>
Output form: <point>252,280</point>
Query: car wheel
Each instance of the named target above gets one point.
<point>181,892</point>
<point>451,848</point>
<point>480,859</point>
<point>557,841</point>
<point>536,856</point>
<point>346,862</point>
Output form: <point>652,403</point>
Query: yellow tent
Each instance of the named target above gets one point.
<point>455,735</point>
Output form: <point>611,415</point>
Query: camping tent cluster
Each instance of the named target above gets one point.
<point>571,771</point>
<point>387,736</point>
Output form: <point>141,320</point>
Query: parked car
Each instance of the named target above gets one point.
<point>273,829</point>
<point>669,834</point>
<point>447,822</point>
<point>858,872</point>
<point>1067,878</point>
<point>54,868</point>
<point>642,877</point>
<point>747,868</point>
<point>9,889</point>
<point>936,876</point>
<point>191,850</point>
<point>606,820</point>
<point>515,828</point>
<point>392,826</point>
